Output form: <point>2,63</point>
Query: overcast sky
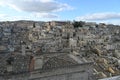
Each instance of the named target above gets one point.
<point>44,10</point>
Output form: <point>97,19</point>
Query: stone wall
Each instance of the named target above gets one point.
<point>76,72</point>
<point>68,76</point>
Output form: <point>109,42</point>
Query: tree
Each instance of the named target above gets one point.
<point>77,24</point>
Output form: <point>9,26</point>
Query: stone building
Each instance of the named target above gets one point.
<point>61,66</point>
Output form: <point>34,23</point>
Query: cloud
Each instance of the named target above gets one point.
<point>45,15</point>
<point>100,16</point>
<point>3,15</point>
<point>6,17</point>
<point>38,6</point>
<point>32,16</point>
